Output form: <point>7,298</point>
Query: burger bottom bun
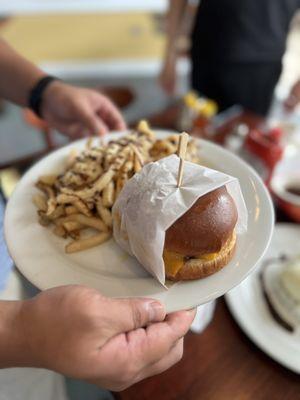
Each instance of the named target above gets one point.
<point>196,268</point>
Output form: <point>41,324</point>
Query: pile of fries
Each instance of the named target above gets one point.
<point>81,198</point>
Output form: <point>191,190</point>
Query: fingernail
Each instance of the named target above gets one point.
<point>191,310</point>
<point>156,311</point>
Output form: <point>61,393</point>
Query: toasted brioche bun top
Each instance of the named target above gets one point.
<point>205,227</point>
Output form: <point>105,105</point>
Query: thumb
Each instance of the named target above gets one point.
<point>131,314</point>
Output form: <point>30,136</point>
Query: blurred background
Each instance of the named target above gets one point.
<point>117,45</point>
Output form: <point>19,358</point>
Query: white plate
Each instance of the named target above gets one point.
<point>41,258</point>
<point>250,310</point>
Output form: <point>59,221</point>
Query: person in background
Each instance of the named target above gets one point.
<point>236,50</point>
<point>74,330</point>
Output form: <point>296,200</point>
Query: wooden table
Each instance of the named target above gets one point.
<point>220,364</point>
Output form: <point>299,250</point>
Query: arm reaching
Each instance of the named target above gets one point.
<point>72,110</point>
<point>175,18</point>
<point>76,331</point>
<point>18,75</point>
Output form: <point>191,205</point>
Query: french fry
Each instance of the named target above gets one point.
<point>92,222</point>
<point>143,126</point>
<point>174,139</point>
<point>72,157</point>
<point>71,210</point>
<point>58,212</point>
<point>119,186</point>
<point>82,207</point>
<point>108,194</point>
<point>127,167</point>
<point>40,202</point>
<point>136,164</point>
<point>43,220</point>
<point>60,231</point>
<point>83,195</point>
<point>51,200</point>
<point>138,155</point>
<point>98,186</point>
<point>104,213</point>
<point>51,205</point>
<point>87,243</point>
<point>62,220</point>
<point>64,198</point>
<point>72,226</point>
<point>48,180</point>
<point>119,160</point>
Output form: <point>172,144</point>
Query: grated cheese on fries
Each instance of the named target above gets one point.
<point>82,196</point>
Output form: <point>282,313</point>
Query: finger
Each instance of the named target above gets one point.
<point>131,314</point>
<point>150,344</point>
<point>127,370</point>
<point>111,115</point>
<point>99,127</point>
<point>140,348</point>
<point>76,131</point>
<point>90,121</point>
<point>95,125</point>
<point>166,362</point>
<point>72,130</point>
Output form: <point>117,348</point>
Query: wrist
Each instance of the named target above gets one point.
<point>38,92</point>
<point>14,348</point>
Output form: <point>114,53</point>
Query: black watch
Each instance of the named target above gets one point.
<point>35,97</point>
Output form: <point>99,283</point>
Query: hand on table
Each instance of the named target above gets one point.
<point>114,343</point>
<point>294,97</point>
<point>79,112</point>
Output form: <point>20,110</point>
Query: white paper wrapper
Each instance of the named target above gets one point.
<point>150,203</point>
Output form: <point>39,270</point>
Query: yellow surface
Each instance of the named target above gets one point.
<point>8,180</point>
<point>84,37</point>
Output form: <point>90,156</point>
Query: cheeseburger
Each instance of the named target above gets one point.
<point>201,241</point>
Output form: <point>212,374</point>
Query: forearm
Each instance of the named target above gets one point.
<point>14,351</point>
<point>18,75</point>
<point>175,18</point>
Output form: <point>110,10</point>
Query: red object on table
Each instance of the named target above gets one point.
<point>267,147</point>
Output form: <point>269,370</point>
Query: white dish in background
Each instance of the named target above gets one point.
<point>40,255</point>
<point>248,305</point>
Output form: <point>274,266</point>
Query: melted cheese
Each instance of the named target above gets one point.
<point>208,256</point>
<point>174,261</point>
